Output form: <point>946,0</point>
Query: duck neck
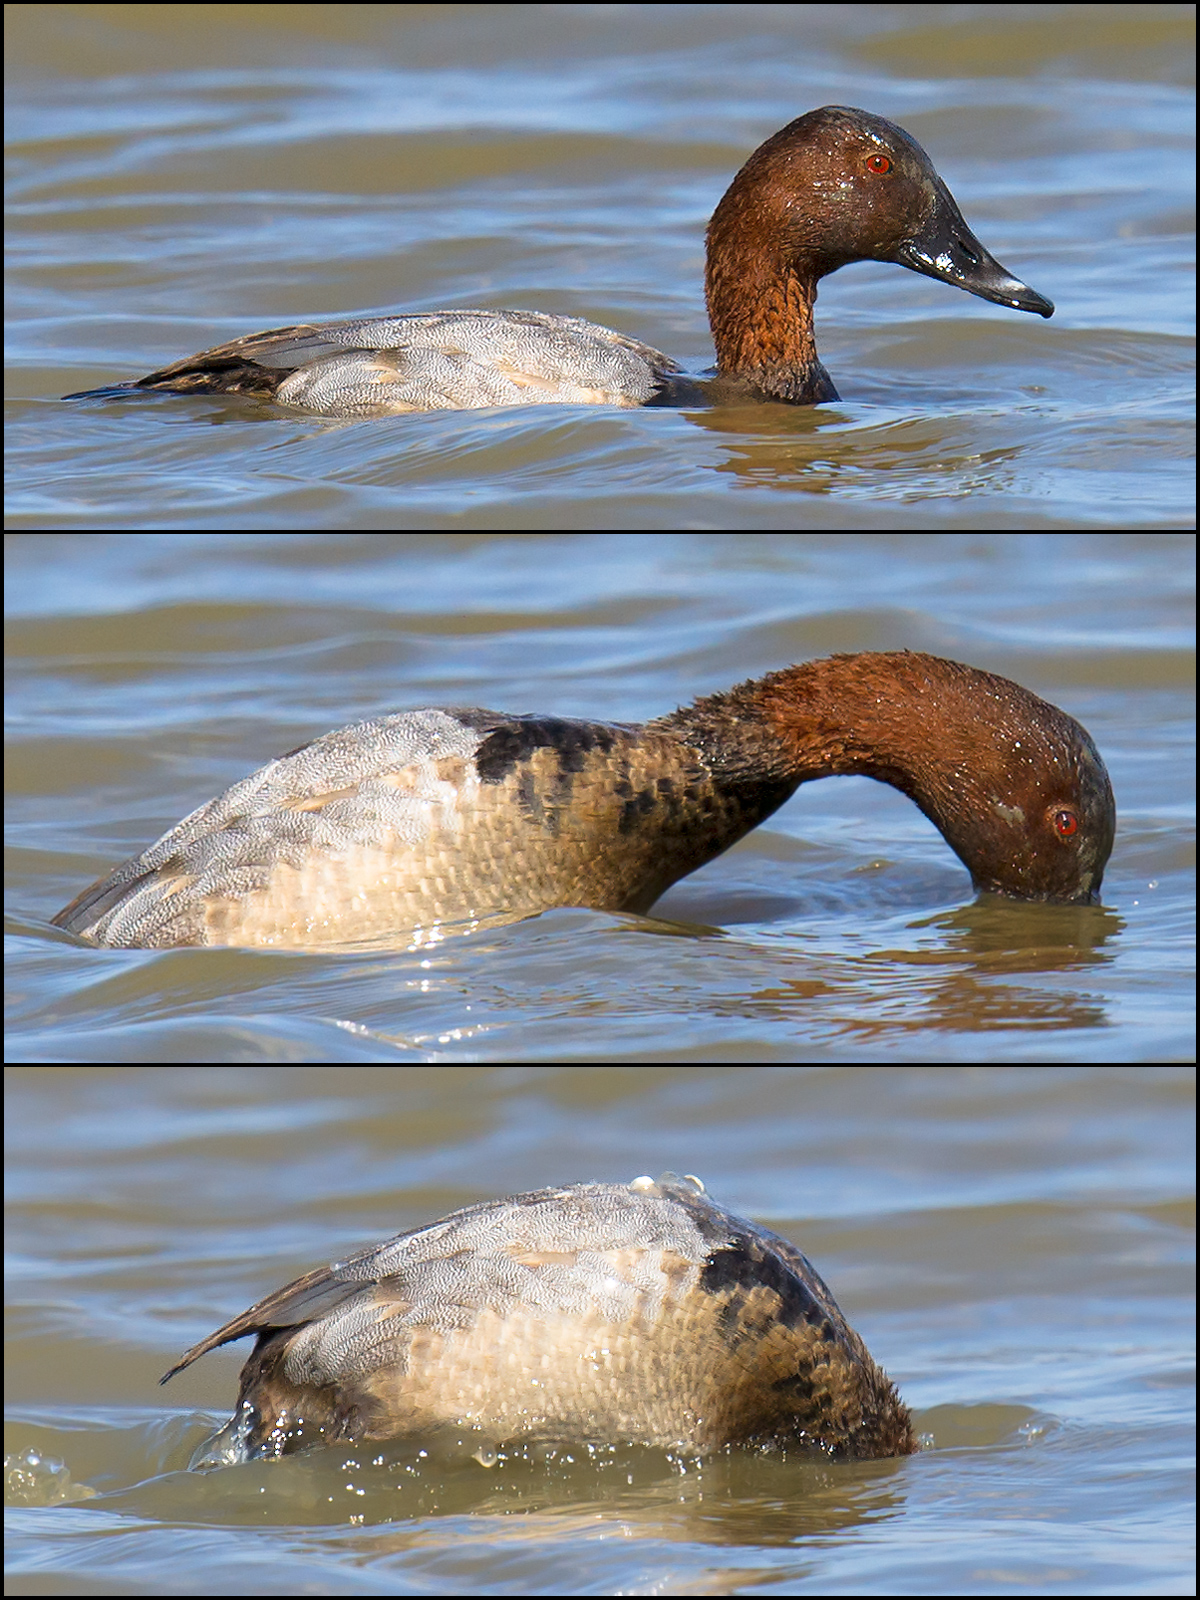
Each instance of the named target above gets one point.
<point>969,748</point>
<point>822,719</point>
<point>760,309</point>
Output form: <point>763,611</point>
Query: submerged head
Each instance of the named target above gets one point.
<point>1017,787</point>
<point>621,1314</point>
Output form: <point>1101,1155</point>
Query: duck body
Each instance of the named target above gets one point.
<point>389,830</point>
<point>640,1314</point>
<point>836,185</point>
<point>434,361</point>
<point>421,820</point>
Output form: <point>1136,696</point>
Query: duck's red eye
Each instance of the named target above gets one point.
<point>879,165</point>
<point>1065,823</point>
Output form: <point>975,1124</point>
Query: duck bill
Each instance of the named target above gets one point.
<point>946,248</point>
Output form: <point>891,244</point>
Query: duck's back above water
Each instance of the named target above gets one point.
<point>413,821</point>
<point>435,361</point>
<point>641,1314</point>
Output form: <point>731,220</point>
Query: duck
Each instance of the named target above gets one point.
<point>596,1313</point>
<point>392,829</point>
<point>834,186</point>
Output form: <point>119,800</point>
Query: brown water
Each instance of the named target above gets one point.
<point>1014,1244</point>
<point>186,175</point>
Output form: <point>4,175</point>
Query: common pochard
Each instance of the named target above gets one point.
<point>835,186</point>
<point>605,1313</point>
<point>388,830</point>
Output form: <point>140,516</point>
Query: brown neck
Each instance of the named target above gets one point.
<point>764,336</point>
<point>760,295</point>
<point>998,771</point>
